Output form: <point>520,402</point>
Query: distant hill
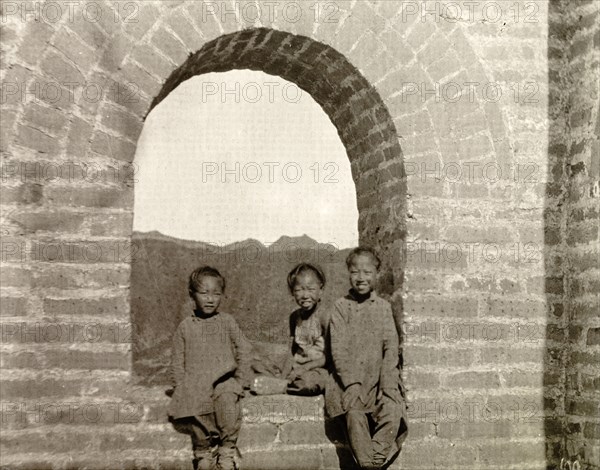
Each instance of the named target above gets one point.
<point>256,293</point>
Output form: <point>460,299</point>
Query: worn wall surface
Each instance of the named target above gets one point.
<point>572,257</point>
<point>443,109</point>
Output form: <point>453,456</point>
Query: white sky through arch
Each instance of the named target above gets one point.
<point>242,154</point>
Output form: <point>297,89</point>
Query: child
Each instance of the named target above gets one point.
<point>210,369</point>
<point>304,372</point>
<point>366,385</point>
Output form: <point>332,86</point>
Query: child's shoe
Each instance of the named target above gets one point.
<point>205,459</point>
<point>229,458</point>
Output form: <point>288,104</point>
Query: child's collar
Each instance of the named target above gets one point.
<point>308,313</point>
<point>200,314</point>
<point>371,296</point>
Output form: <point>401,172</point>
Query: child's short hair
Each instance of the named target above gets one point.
<point>302,268</point>
<point>201,272</point>
<point>363,251</point>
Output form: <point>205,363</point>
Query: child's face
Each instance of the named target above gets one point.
<point>307,290</point>
<point>363,273</point>
<point>207,296</point>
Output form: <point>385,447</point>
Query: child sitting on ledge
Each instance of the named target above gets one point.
<point>304,371</point>
<point>210,370</point>
<point>366,390</point>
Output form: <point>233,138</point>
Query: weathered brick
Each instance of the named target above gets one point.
<point>60,69</point>
<point>470,190</point>
<point>112,147</point>
<point>438,454</point>
<point>79,135</point>
<point>111,306</point>
<point>141,79</point>
<point>420,34</point>
<point>439,256</point>
<point>485,380</point>
<point>61,333</point>
<point>49,119</point>
<point>81,54</point>
<point>431,52</point>
<point>11,276</point>
<point>6,128</point>
<point>472,234</point>
<point>52,92</point>
<point>520,308</point>
<point>20,360</point>
<point>94,413</point>
<point>593,337</point>
<point>145,16</point>
<point>583,233</point>
<point>14,86</point>
<point>37,140</point>
<point>69,277</point>
<point>121,122</point>
<point>554,285</point>
<point>474,148</point>
<point>441,357</point>
<point>36,36</point>
<point>582,407</point>
<point>32,222</point>
<point>160,440</point>
<point>170,46</point>
<point>473,430</point>
<point>422,380</point>
<point>152,62</point>
<point>27,193</point>
<point>119,225</point>
<point>94,196</point>
<point>591,430</point>
<point>186,32</point>
<point>81,359</point>
<point>47,387</point>
<point>13,306</point>
<point>288,458</point>
<point>511,355</point>
<point>91,34</point>
<point>414,124</point>
<point>448,65</point>
<point>440,306</point>
<point>118,48</point>
<point>584,311</point>
<point>303,433</point>
<point>254,435</point>
<point>522,379</point>
<point>513,453</point>
<point>205,19</point>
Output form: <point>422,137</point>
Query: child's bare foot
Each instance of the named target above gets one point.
<point>263,385</point>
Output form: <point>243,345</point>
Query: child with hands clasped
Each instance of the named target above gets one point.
<point>304,371</point>
<point>365,351</point>
<point>210,370</point>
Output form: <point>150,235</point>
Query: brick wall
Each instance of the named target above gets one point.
<point>451,188</point>
<point>572,235</point>
<point>474,295</point>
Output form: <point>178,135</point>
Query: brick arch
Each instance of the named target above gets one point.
<point>354,106</point>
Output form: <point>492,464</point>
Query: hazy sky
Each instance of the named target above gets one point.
<point>243,154</point>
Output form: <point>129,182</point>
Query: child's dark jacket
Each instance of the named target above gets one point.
<point>210,356</point>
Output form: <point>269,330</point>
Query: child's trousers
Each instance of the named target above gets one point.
<point>372,435</point>
<point>220,428</point>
